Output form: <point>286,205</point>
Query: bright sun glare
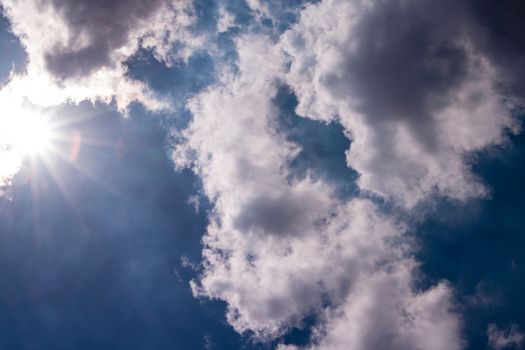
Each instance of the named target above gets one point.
<point>24,133</point>
<point>30,135</point>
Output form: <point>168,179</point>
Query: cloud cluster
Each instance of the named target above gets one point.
<point>278,250</point>
<point>414,90</point>
<point>76,49</point>
<point>420,87</point>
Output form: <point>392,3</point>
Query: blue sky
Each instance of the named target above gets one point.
<point>262,175</point>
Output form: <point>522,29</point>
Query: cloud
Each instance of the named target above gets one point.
<point>419,94</point>
<point>76,49</point>
<point>503,338</point>
<point>419,87</point>
<point>279,250</point>
<point>413,321</point>
<point>95,31</point>
<point>226,20</point>
<point>495,29</point>
<point>409,84</point>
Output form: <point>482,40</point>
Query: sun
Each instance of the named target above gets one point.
<point>31,135</point>
<point>25,133</point>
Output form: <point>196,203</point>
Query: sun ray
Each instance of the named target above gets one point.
<point>84,171</point>
<point>35,140</point>
<point>63,189</point>
<point>91,141</point>
<point>79,117</point>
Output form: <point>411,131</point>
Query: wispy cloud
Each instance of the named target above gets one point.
<point>504,338</point>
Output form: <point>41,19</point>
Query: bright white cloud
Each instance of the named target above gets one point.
<point>414,96</point>
<point>278,250</point>
<point>76,49</point>
<point>416,99</point>
<point>382,312</point>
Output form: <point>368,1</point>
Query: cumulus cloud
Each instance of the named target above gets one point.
<point>95,31</point>
<point>419,86</point>
<point>407,81</point>
<point>419,91</point>
<point>504,338</point>
<point>76,49</point>
<point>413,321</point>
<point>278,250</point>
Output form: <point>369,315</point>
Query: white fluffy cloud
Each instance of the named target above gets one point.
<point>76,49</point>
<point>414,92</point>
<point>407,83</point>
<point>278,250</point>
<point>417,95</point>
<point>382,312</point>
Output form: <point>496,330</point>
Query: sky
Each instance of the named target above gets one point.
<point>262,174</point>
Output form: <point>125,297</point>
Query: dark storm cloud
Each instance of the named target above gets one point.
<point>97,28</point>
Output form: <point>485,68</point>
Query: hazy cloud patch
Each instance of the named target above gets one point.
<point>504,338</point>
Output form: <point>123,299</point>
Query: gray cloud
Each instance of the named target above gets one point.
<point>288,214</point>
<point>410,83</point>
<point>96,29</point>
<point>497,30</point>
<point>76,49</point>
<point>402,63</point>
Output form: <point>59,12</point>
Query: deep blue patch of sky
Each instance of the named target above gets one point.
<point>99,268</point>
<point>479,247</point>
